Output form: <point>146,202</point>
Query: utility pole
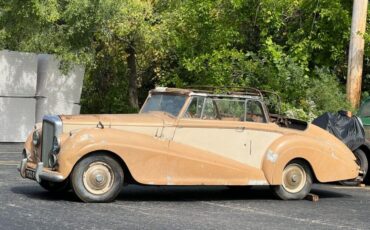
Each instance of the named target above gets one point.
<point>356,52</point>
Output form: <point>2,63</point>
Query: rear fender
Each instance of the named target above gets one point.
<point>327,164</point>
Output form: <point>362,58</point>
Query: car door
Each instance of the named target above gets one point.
<point>209,146</point>
<point>260,133</point>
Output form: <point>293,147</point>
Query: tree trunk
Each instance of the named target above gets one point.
<point>356,52</point>
<point>132,74</point>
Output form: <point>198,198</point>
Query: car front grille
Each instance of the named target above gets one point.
<point>48,132</point>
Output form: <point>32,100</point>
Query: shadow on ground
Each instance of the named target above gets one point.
<point>175,193</point>
<point>327,194</point>
<point>38,193</point>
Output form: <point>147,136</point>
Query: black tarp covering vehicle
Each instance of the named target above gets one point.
<point>350,131</point>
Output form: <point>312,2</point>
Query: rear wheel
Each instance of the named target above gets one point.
<point>97,178</point>
<point>362,161</point>
<point>296,181</point>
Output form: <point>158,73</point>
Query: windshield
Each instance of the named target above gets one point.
<point>167,103</point>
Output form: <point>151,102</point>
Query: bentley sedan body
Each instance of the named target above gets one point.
<point>184,137</point>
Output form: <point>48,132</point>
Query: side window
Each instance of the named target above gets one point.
<point>201,108</point>
<point>209,112</point>
<point>195,108</point>
<point>231,109</point>
<point>226,109</point>
<point>255,112</point>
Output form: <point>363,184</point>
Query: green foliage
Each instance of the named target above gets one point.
<point>297,48</point>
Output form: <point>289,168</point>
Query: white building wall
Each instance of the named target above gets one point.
<point>32,86</point>
<point>49,106</point>
<point>18,74</point>
<point>17,118</point>
<point>52,83</point>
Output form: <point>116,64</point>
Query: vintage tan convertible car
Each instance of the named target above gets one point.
<point>184,137</point>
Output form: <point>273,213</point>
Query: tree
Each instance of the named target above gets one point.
<point>295,47</point>
<point>285,46</point>
<point>83,31</point>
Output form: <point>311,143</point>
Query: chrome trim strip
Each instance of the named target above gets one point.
<point>40,167</point>
<point>22,167</point>
<point>224,95</point>
<point>42,175</point>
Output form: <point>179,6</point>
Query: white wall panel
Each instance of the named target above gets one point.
<point>32,86</point>
<point>18,74</point>
<point>50,106</point>
<point>51,83</point>
<point>17,118</point>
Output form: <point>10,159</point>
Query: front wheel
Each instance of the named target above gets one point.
<point>97,178</point>
<point>296,181</point>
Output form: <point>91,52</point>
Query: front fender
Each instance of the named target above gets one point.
<point>328,161</point>
<point>129,146</point>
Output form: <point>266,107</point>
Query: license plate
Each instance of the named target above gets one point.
<point>30,174</point>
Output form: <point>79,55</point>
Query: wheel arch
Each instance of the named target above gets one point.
<point>128,178</point>
<point>329,162</point>
<point>288,148</point>
<point>308,164</point>
<point>274,170</point>
<point>122,145</point>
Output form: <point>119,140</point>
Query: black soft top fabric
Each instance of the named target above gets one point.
<point>348,129</point>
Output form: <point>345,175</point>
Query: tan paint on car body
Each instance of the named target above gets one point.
<point>231,140</point>
<point>146,163</point>
<point>329,158</point>
<point>148,145</point>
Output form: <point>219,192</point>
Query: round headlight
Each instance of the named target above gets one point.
<point>53,159</point>
<point>36,138</point>
<point>56,145</point>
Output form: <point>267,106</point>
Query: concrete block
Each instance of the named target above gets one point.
<point>17,118</point>
<point>51,106</point>
<point>52,83</point>
<point>18,74</point>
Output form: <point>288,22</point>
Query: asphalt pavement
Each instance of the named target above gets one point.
<point>25,205</point>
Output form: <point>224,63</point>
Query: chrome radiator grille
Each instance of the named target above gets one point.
<point>48,132</point>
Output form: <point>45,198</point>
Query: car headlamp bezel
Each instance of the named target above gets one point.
<point>36,138</point>
<point>55,145</point>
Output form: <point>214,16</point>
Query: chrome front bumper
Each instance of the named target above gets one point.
<point>39,173</point>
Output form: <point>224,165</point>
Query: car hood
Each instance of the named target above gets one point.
<point>73,122</point>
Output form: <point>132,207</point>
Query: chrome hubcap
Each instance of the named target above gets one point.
<point>98,178</point>
<point>294,178</point>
